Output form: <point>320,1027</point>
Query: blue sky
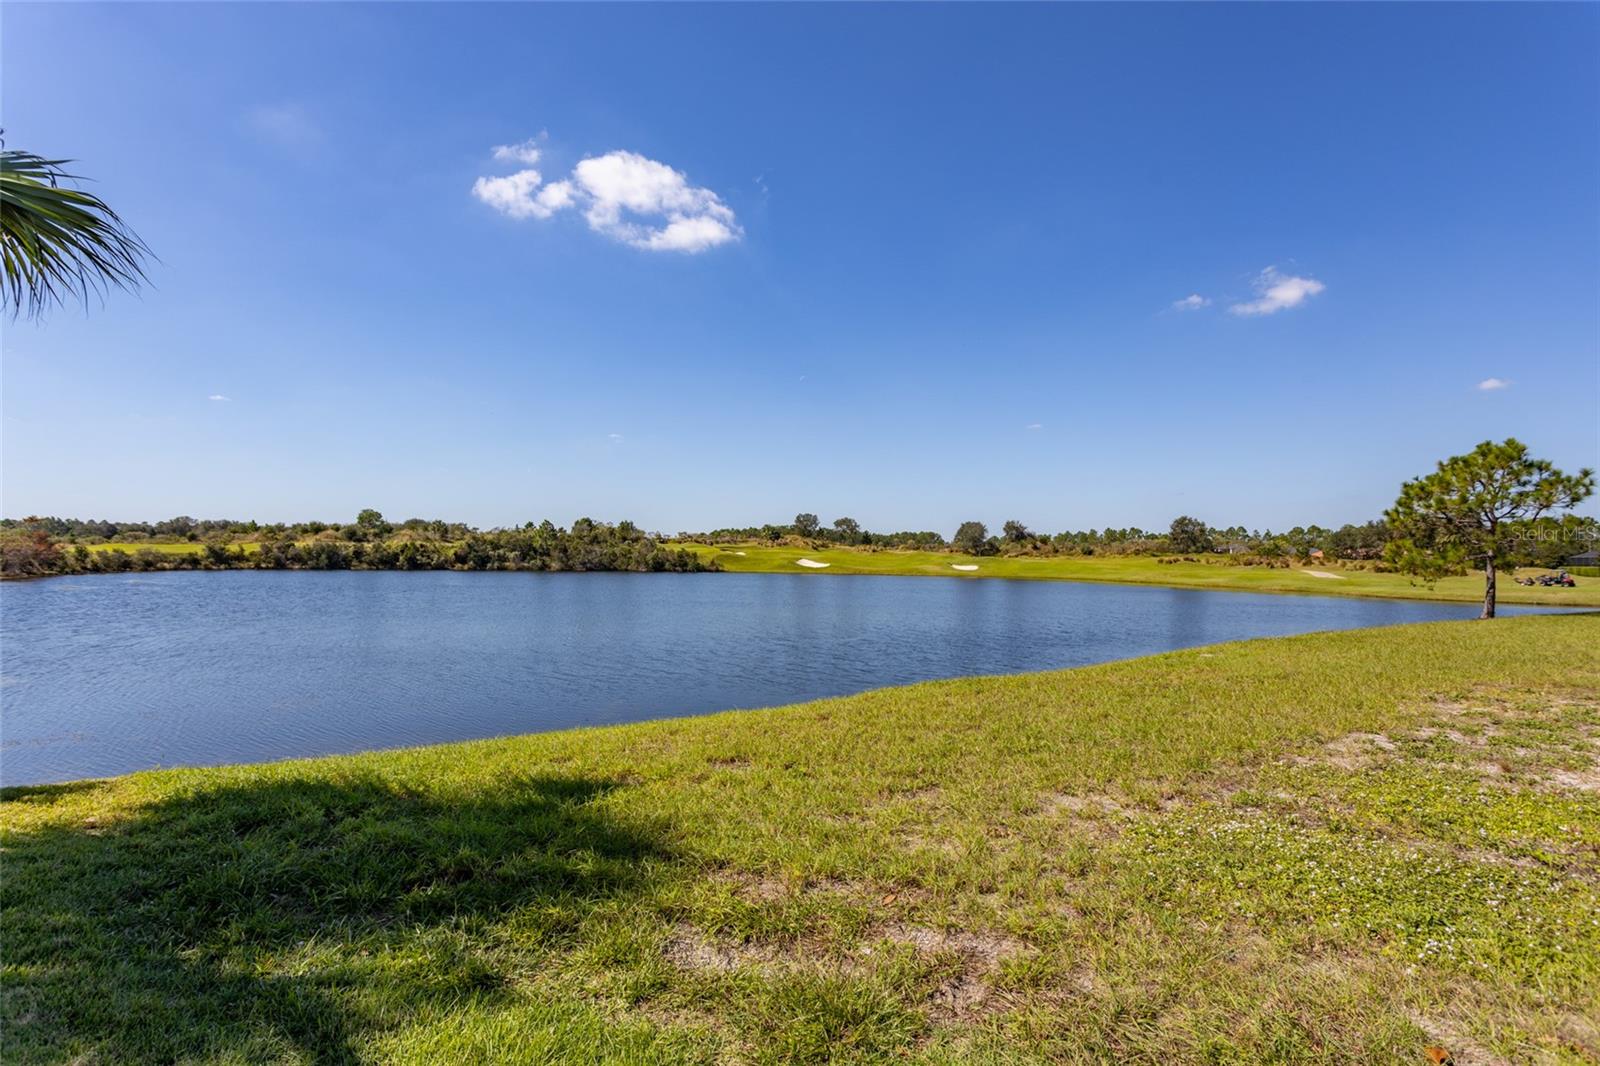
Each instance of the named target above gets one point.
<point>914,264</point>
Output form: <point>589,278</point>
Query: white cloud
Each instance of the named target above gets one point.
<point>1192,302</point>
<point>1278,292</point>
<point>1493,384</point>
<point>556,195</point>
<point>632,199</point>
<point>614,438</point>
<point>526,153</point>
<point>1034,425</point>
<point>518,195</point>
<point>217,397</point>
<point>629,197</point>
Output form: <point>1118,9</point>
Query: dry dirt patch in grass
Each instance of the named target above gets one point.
<point>756,888</point>
<point>965,994</point>
<point>962,962</point>
<point>1495,740</point>
<point>1089,804</point>
<point>1090,816</point>
<point>689,949</point>
<point>984,950</point>
<point>1548,745</point>
<point>1582,780</point>
<point>1462,1049</point>
<point>1353,751</point>
<point>760,888</point>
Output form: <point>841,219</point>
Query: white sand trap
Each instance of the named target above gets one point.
<point>963,566</point>
<point>736,553</point>
<point>1324,573</point>
<point>812,564</point>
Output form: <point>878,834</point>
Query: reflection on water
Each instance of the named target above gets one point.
<point>109,674</point>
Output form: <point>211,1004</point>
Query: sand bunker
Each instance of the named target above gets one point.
<point>811,564</point>
<point>963,566</point>
<point>736,553</point>
<point>1323,573</point>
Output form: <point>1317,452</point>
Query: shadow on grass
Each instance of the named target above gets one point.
<point>278,920</point>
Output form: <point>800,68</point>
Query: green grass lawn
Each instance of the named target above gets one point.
<point>1335,848</point>
<point>181,547</point>
<point>1142,570</point>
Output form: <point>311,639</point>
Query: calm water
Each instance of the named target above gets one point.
<point>103,675</point>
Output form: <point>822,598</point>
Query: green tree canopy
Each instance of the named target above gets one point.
<point>972,538</point>
<point>1189,535</point>
<point>1472,510</point>
<point>371,523</point>
<point>806,524</point>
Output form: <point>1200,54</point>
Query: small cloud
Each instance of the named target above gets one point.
<point>217,397</point>
<point>1034,425</point>
<point>519,195</point>
<point>614,438</point>
<point>526,153</point>
<point>1493,384</point>
<point>1192,302</point>
<point>1278,292</point>
<point>288,125</point>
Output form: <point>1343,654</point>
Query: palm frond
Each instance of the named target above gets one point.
<point>58,243</point>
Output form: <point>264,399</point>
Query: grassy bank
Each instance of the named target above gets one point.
<point>1142,570</point>
<point>1332,848</point>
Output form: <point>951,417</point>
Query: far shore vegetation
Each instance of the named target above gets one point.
<point>1342,847</point>
<point>1493,510</point>
<point>44,546</point>
<point>1343,562</point>
<point>1346,561</point>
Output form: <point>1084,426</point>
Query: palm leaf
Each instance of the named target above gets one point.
<point>58,243</point>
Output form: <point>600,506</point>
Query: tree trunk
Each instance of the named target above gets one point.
<point>1488,588</point>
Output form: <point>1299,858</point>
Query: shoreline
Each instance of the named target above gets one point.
<point>1519,595</point>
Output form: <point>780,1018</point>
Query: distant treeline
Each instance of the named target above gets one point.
<point>40,546</point>
<point>1546,542</point>
<point>48,545</point>
<point>1185,535</point>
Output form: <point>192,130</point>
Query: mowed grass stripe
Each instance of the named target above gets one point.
<point>1140,570</point>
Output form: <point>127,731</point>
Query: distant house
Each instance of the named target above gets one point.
<point>1588,558</point>
<point>1316,553</point>
<point>1233,547</point>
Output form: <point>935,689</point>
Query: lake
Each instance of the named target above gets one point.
<point>108,674</point>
